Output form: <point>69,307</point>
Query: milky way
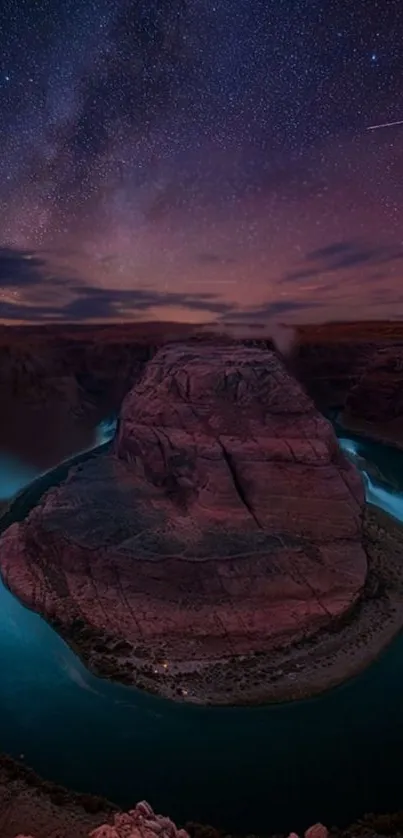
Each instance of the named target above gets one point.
<point>200,160</point>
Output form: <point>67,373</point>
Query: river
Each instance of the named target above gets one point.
<point>246,769</point>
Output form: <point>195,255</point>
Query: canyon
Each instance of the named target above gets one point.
<point>355,369</point>
<point>85,371</point>
<point>221,551</point>
<point>303,591</point>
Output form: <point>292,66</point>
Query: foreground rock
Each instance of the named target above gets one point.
<point>69,819</point>
<point>140,822</point>
<point>218,554</point>
<point>31,806</point>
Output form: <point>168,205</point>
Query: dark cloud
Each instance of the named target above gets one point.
<point>330,251</point>
<point>214,259</point>
<point>21,311</point>
<point>99,303</point>
<point>303,273</point>
<point>22,269</point>
<point>340,256</point>
<point>270,310</point>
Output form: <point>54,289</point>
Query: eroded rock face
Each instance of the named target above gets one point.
<point>363,380</point>
<point>75,374</point>
<point>225,523</point>
<point>55,390</point>
<point>329,371</point>
<point>378,395</point>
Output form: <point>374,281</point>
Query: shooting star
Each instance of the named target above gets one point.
<point>384,125</point>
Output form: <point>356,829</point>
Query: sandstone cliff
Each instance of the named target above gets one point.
<point>329,371</point>
<point>361,380</point>
<point>377,397</point>
<point>77,374</point>
<point>55,390</point>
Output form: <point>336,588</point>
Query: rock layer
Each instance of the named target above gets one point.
<point>378,395</point>
<point>329,371</point>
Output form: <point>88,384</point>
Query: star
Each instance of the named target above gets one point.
<point>155,133</point>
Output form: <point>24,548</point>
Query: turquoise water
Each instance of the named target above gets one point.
<point>253,769</point>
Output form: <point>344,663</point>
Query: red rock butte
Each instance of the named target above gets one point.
<point>223,521</point>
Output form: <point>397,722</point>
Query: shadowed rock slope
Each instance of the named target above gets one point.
<point>219,551</point>
<point>361,379</point>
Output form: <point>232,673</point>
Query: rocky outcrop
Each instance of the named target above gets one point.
<point>378,394</point>
<point>73,822</point>
<point>140,822</point>
<point>54,391</point>
<point>224,526</point>
<point>329,371</point>
<point>361,380</point>
<point>32,806</point>
<point>76,374</point>
<point>133,825</point>
<point>316,831</point>
<point>57,384</point>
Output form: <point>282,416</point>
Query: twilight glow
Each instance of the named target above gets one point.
<point>200,161</point>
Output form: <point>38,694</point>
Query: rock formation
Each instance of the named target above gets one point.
<point>30,805</point>
<point>76,374</point>
<point>140,822</point>
<point>54,390</point>
<point>329,371</point>
<point>378,394</point>
<point>224,526</point>
<point>358,373</point>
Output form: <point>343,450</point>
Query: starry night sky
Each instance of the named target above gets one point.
<point>201,160</point>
